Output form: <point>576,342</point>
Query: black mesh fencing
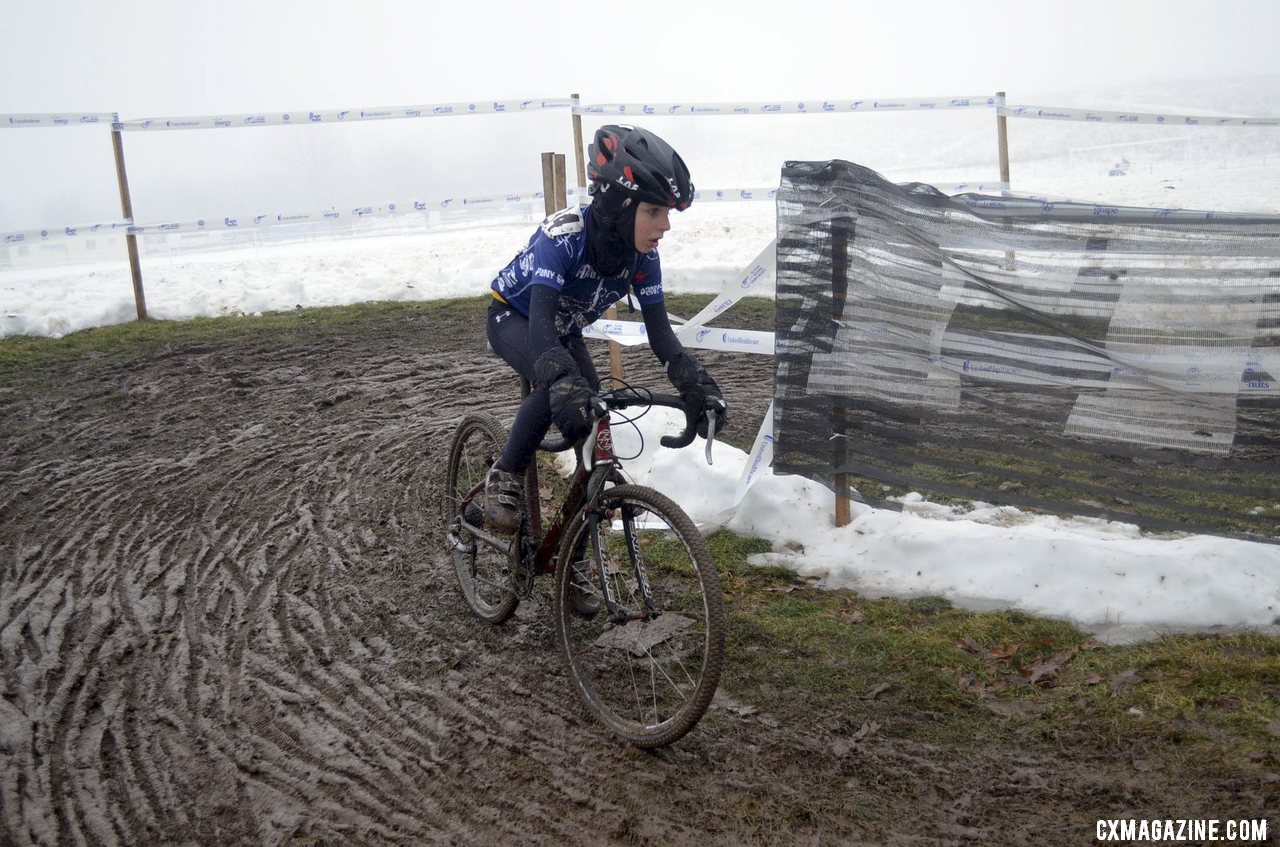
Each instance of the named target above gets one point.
<point>1103,361</point>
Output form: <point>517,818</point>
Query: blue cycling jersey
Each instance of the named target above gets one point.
<point>556,256</point>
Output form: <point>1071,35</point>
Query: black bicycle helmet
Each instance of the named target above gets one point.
<point>640,165</point>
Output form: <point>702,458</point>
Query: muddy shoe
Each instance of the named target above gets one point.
<point>502,493</point>
<point>584,598</point>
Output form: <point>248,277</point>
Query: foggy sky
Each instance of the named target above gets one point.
<point>155,58</point>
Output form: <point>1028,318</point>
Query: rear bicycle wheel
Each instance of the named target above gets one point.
<point>484,571</point>
<point>649,677</point>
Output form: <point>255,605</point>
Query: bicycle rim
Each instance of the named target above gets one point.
<point>651,678</point>
<point>484,572</point>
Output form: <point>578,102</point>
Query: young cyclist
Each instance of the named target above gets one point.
<point>576,265</point>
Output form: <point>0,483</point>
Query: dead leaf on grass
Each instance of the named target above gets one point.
<point>1045,672</point>
<point>1004,651</point>
<point>877,690</point>
<point>970,645</point>
<point>1122,680</point>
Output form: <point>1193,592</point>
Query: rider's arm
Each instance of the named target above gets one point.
<point>543,302</point>
<point>683,368</point>
<point>662,338</point>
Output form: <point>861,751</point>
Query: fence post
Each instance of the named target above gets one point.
<point>615,349</point>
<point>1002,137</point>
<point>842,229</point>
<point>126,210</point>
<point>577,144</point>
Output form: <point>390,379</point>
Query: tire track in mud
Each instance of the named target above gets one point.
<point>225,617</point>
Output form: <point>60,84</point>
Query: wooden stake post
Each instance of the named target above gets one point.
<point>126,210</point>
<point>615,349</point>
<point>1002,137</point>
<point>842,229</point>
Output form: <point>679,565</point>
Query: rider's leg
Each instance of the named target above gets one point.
<point>508,333</point>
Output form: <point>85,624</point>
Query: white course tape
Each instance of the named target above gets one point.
<point>1101,116</point>
<point>632,333</point>
<point>762,271</point>
<point>736,195</point>
<point>24,121</point>
<point>791,107</point>
<point>693,333</point>
<point>334,116</point>
<point>760,457</point>
<point>30,236</point>
<point>256,221</point>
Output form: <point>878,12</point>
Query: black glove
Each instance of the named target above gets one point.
<point>698,390</point>
<point>558,373</point>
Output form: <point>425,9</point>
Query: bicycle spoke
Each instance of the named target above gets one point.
<point>483,571</point>
<point>650,670</point>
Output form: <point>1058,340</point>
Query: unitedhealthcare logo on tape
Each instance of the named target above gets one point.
<point>766,445</point>
<point>740,340</point>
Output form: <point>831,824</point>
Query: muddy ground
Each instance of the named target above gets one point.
<point>225,618</point>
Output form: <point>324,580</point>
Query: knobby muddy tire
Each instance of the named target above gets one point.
<point>484,573</point>
<point>649,682</point>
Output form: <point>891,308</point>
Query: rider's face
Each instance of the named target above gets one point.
<point>652,221</point>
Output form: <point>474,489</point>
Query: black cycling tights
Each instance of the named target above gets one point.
<point>508,332</point>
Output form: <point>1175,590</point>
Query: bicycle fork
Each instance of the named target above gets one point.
<point>616,615</point>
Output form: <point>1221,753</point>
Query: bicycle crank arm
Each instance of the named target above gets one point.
<point>487,538</point>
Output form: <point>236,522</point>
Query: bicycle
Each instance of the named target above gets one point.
<point>648,659</point>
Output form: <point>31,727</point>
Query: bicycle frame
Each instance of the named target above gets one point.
<point>601,548</point>
<point>584,486</point>
<point>539,545</point>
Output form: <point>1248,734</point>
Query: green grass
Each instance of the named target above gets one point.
<point>928,671</point>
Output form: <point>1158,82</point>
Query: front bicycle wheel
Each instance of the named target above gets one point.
<point>648,667</point>
<point>484,571</point>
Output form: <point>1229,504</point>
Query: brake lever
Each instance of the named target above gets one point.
<point>711,413</point>
<point>711,433</point>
